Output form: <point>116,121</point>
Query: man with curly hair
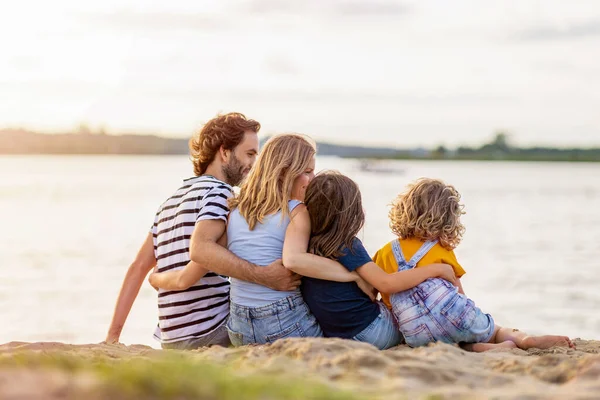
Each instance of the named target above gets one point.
<point>222,154</point>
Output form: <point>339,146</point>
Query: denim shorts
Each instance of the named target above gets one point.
<point>217,337</point>
<point>383,332</point>
<point>285,318</point>
<point>435,311</point>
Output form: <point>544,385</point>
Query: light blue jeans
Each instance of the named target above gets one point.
<point>285,318</point>
<point>383,332</point>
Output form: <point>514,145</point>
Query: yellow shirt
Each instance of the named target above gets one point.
<point>385,259</point>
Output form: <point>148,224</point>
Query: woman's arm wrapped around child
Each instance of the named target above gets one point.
<point>297,259</point>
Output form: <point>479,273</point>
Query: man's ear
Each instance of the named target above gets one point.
<point>224,154</point>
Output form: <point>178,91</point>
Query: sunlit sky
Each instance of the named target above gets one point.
<point>399,73</point>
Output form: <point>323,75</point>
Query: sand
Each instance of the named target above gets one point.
<point>439,370</point>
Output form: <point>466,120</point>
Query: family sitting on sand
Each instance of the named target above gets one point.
<point>281,258</point>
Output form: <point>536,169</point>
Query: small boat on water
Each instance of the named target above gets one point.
<point>380,167</point>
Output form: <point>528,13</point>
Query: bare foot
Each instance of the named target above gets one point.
<point>546,342</point>
<point>481,347</point>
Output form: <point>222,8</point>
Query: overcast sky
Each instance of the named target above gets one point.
<point>403,73</point>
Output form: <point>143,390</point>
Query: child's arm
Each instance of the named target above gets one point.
<point>404,280</point>
<point>178,280</point>
<point>184,278</point>
<point>298,260</point>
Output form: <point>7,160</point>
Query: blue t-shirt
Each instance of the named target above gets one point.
<point>341,308</point>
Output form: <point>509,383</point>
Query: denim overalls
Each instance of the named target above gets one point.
<point>435,311</point>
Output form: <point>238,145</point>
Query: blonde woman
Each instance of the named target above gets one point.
<point>426,219</point>
<point>256,229</point>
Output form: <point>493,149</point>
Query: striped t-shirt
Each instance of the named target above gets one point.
<point>202,308</point>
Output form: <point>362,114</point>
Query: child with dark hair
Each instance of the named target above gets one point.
<point>327,224</point>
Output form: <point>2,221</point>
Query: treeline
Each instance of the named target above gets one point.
<point>26,142</point>
<point>500,148</point>
<point>84,141</point>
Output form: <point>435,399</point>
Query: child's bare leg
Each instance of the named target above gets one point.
<point>525,341</point>
<point>481,347</point>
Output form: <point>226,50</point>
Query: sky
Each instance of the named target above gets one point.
<point>371,72</point>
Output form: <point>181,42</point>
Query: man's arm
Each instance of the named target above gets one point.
<point>206,253</point>
<point>143,263</point>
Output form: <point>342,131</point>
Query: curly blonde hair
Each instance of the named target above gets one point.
<point>428,210</point>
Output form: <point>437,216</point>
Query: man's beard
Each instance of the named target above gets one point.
<point>233,171</point>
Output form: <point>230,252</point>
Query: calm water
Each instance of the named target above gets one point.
<point>71,226</point>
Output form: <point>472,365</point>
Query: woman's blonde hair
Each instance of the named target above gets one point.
<point>428,210</point>
<point>268,187</point>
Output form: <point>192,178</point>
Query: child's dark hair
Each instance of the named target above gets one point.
<point>336,214</point>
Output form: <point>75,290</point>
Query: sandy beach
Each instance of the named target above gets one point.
<point>342,368</point>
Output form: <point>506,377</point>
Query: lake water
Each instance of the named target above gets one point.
<point>72,224</point>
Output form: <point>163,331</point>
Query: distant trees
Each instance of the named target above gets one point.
<point>497,148</point>
<point>87,141</point>
<point>440,152</point>
<point>500,148</point>
<point>83,129</point>
<point>500,144</point>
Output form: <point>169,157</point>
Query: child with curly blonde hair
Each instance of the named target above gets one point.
<point>426,219</point>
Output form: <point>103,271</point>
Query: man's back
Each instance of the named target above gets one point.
<point>202,308</point>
